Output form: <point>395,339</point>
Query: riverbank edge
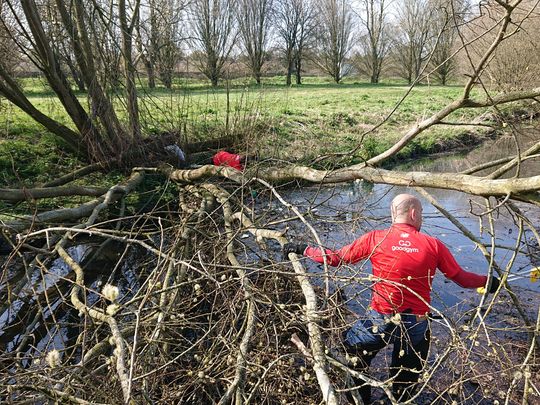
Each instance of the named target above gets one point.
<point>487,126</point>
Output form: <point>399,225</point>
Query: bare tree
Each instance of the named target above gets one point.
<point>158,39</point>
<point>412,37</point>
<point>127,22</point>
<point>335,37</point>
<point>98,132</point>
<point>215,34</point>
<point>64,49</point>
<point>447,17</point>
<point>294,24</point>
<point>10,57</point>
<point>375,43</point>
<point>254,19</point>
<point>145,47</point>
<point>516,64</point>
<point>287,13</point>
<point>103,33</point>
<point>305,36</point>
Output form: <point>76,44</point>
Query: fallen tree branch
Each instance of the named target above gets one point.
<point>203,172</point>
<point>75,213</point>
<point>237,385</point>
<point>473,185</point>
<point>11,194</point>
<point>530,152</point>
<point>83,171</point>
<point>55,394</point>
<point>315,338</point>
<point>120,351</point>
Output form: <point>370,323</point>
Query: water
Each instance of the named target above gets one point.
<point>342,213</point>
<point>49,291</point>
<point>339,215</point>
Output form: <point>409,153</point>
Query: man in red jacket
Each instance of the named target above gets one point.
<point>403,261</point>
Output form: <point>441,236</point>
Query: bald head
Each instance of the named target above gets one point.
<point>407,209</point>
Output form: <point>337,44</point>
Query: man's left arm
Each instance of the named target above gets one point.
<point>453,271</point>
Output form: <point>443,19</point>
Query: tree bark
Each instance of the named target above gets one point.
<point>451,181</point>
<point>84,55</point>
<point>129,67</point>
<point>11,90</point>
<point>75,213</point>
<point>7,194</point>
<point>55,76</point>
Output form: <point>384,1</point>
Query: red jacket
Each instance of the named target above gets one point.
<point>223,158</point>
<point>404,262</point>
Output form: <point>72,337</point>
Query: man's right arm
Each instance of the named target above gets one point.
<point>351,253</point>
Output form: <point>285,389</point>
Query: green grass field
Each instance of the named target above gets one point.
<point>291,123</point>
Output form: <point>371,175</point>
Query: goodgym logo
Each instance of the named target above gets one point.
<point>405,246</point>
<point>404,235</point>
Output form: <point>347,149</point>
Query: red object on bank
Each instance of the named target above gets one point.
<point>223,158</point>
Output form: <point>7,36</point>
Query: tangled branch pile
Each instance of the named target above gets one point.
<point>193,304</point>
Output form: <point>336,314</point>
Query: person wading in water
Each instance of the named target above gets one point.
<point>404,261</point>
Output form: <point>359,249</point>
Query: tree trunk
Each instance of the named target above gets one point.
<point>290,68</point>
<point>257,76</point>
<point>76,75</point>
<point>7,194</point>
<point>166,78</point>
<point>376,67</point>
<point>150,72</point>
<point>11,90</point>
<point>298,70</point>
<point>101,105</point>
<point>129,68</point>
<point>55,76</point>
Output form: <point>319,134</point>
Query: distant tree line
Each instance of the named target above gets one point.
<point>373,38</point>
<point>108,48</point>
<point>335,36</point>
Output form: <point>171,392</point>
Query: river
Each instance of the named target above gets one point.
<point>342,213</point>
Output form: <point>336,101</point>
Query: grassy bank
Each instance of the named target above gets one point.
<point>291,123</point>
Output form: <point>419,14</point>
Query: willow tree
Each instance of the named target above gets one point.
<point>159,36</point>
<point>214,35</point>
<point>97,133</point>
<point>254,21</point>
<point>412,38</point>
<point>335,37</point>
<point>448,16</point>
<point>295,26</point>
<point>376,42</point>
